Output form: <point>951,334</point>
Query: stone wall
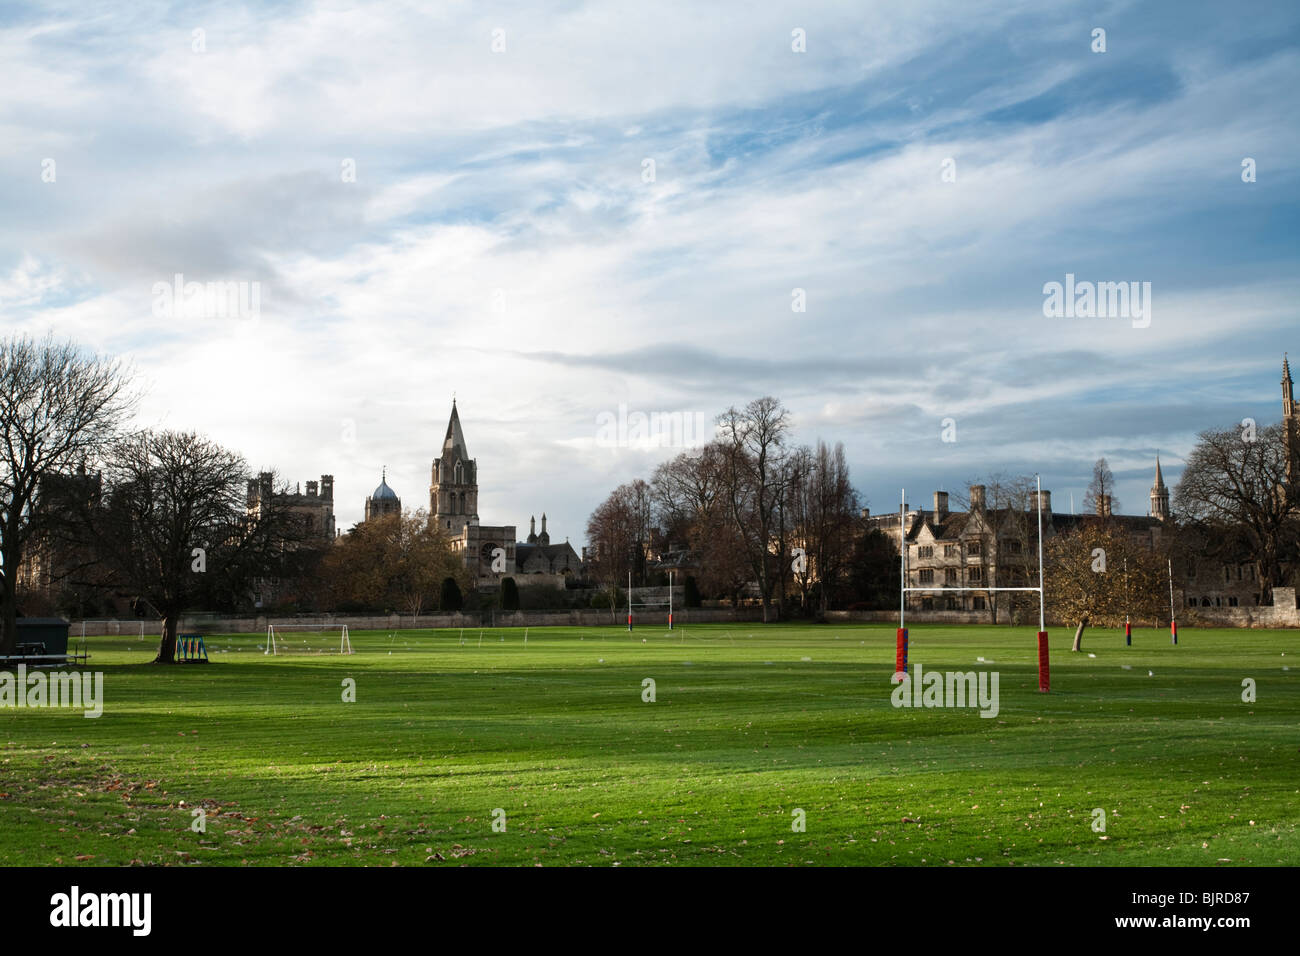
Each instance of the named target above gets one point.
<point>1282,613</point>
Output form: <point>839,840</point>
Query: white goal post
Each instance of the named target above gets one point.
<point>115,628</point>
<point>661,605</point>
<point>285,639</point>
<point>903,642</point>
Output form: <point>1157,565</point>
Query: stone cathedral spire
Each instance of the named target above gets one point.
<point>1290,427</point>
<point>1159,495</point>
<point>453,485</point>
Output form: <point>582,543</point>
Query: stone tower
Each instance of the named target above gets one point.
<point>1159,495</point>
<point>543,538</point>
<point>453,487</point>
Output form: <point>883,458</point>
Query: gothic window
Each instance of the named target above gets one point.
<point>460,474</point>
<point>927,576</point>
<point>925,551</point>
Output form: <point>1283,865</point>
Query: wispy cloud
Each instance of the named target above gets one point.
<point>502,237</point>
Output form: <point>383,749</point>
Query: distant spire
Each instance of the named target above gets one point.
<point>1288,400</point>
<point>1159,495</point>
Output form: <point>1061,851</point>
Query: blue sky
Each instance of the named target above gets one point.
<point>500,241</point>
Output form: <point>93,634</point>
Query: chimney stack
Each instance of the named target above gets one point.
<point>1047,502</point>
<point>976,497</point>
<point>940,505</point>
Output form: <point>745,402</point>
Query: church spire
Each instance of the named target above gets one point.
<point>1288,402</point>
<point>455,438</point>
<point>1290,428</point>
<point>1159,494</point>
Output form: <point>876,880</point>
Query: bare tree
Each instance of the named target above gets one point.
<point>58,405</point>
<point>754,439</point>
<point>799,507</point>
<point>174,527</point>
<point>1100,498</point>
<point>825,506</point>
<point>1235,483</point>
<point>619,533</point>
<point>690,503</point>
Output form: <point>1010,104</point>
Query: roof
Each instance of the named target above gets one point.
<point>455,437</point>
<point>384,493</point>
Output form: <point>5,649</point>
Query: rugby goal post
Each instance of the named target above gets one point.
<point>307,639</point>
<point>650,605</point>
<point>901,645</point>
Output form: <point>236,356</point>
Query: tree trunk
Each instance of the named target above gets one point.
<point>1078,636</point>
<point>167,646</point>
<point>8,617</point>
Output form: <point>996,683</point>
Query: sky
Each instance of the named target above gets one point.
<point>560,213</point>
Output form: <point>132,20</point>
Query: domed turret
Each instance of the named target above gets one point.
<point>384,501</point>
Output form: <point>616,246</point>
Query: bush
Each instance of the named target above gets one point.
<point>509,595</point>
<point>602,599</point>
<point>692,592</point>
<point>450,599</point>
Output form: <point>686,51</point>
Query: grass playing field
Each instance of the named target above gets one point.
<point>750,724</point>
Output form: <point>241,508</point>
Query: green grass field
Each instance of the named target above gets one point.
<point>750,724</point>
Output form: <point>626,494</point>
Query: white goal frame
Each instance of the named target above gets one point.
<point>345,642</point>
<point>650,605</point>
<point>135,631</point>
<point>903,641</point>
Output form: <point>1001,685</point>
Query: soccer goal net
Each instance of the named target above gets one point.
<point>113,628</point>
<point>307,639</point>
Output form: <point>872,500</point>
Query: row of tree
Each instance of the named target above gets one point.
<point>752,508</point>
<point>162,521</point>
